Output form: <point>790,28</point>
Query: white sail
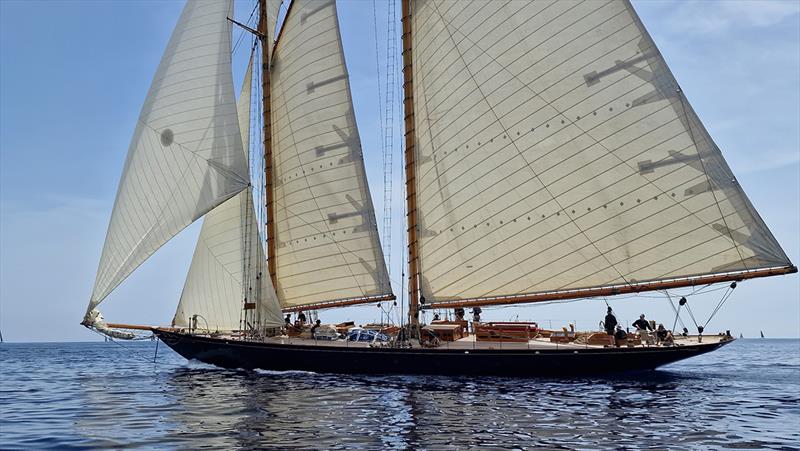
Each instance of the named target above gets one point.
<point>327,245</point>
<point>273,8</point>
<point>186,155</point>
<point>229,267</point>
<point>229,270</point>
<point>556,151</point>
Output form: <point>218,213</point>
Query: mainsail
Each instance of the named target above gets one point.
<point>327,248</point>
<point>556,152</point>
<point>186,155</point>
<point>228,277</point>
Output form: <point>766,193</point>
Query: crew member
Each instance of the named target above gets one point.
<point>620,336</point>
<point>314,328</point>
<point>610,322</point>
<point>476,314</point>
<point>642,324</point>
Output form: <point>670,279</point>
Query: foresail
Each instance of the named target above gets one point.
<point>555,151</point>
<point>228,271</point>
<point>186,155</point>
<point>327,246</point>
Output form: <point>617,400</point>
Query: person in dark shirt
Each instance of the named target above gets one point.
<point>476,314</point>
<point>664,336</point>
<point>314,328</point>
<point>620,336</point>
<point>642,324</point>
<point>288,319</point>
<point>301,318</point>
<point>610,322</point>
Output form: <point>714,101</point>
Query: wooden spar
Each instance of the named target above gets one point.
<point>411,183</point>
<point>613,290</point>
<point>132,326</point>
<point>340,303</point>
<point>266,107</point>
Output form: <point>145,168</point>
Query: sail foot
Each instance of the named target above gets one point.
<point>611,290</point>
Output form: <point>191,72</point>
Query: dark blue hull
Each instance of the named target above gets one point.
<point>228,353</point>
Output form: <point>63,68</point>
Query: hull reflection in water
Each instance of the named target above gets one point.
<point>569,361</point>
<point>106,396</point>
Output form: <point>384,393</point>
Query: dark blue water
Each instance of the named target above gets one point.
<point>101,395</point>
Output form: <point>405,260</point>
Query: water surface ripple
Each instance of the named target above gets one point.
<point>106,396</point>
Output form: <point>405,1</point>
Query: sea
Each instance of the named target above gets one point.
<point>125,396</point>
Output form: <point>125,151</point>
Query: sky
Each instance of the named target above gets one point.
<point>74,74</point>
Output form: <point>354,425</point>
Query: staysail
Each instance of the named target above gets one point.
<point>186,155</point>
<point>228,271</point>
<point>327,247</point>
<point>227,278</point>
<point>555,152</point>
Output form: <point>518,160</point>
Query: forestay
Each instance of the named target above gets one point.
<point>555,151</point>
<point>186,155</point>
<point>327,246</point>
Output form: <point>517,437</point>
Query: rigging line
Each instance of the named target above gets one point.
<point>571,122</point>
<point>135,353</point>
<point>676,310</point>
<point>722,301</point>
<point>689,309</point>
<point>242,31</point>
<point>521,155</point>
<point>378,68</point>
<point>679,91</point>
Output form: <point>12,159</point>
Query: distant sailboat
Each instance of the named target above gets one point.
<point>741,336</point>
<point>550,154</point>
<point>762,334</point>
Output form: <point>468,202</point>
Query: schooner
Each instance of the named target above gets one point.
<point>550,154</point>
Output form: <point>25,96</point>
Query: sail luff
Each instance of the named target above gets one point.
<point>410,165</point>
<point>638,287</point>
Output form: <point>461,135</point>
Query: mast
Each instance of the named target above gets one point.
<point>263,36</point>
<point>411,190</point>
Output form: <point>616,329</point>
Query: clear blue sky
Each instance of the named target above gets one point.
<point>73,76</point>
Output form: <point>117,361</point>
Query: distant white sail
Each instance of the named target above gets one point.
<point>229,267</point>
<point>186,155</point>
<point>555,151</point>
<point>327,243</point>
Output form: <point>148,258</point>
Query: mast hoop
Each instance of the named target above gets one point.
<point>611,290</point>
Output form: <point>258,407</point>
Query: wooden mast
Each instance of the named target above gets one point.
<point>411,184</point>
<point>263,36</point>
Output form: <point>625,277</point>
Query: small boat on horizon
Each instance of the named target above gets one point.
<point>549,155</point>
